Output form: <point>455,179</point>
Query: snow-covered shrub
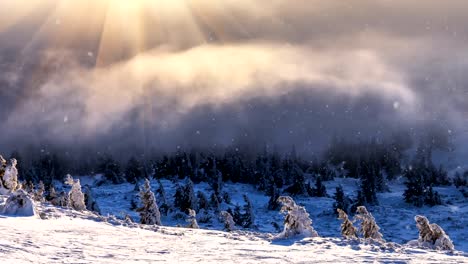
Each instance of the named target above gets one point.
<point>19,203</point>
<point>228,221</point>
<point>432,235</point>
<point>369,227</point>
<point>8,176</point>
<point>297,220</point>
<point>75,196</point>
<point>149,212</point>
<point>192,219</point>
<point>57,199</point>
<point>347,228</point>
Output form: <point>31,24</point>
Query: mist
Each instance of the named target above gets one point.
<point>239,73</point>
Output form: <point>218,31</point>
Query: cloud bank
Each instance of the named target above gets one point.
<point>290,72</point>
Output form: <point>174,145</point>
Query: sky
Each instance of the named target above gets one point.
<point>127,76</point>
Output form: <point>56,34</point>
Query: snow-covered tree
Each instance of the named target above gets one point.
<point>214,202</point>
<point>149,212</point>
<point>202,201</point>
<point>248,216</point>
<point>228,221</point>
<point>320,190</point>
<point>369,227</point>
<point>8,176</point>
<point>432,234</point>
<point>297,220</point>
<point>164,207</point>
<point>273,203</point>
<point>57,199</point>
<point>134,170</point>
<point>192,219</point>
<point>341,200</point>
<point>39,193</point>
<point>347,228</point>
<point>90,202</point>
<point>75,196</point>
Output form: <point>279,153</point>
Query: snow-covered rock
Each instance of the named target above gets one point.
<point>19,203</point>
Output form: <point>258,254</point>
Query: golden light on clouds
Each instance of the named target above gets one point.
<point>120,29</point>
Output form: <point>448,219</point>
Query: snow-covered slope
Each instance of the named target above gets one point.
<point>393,215</point>
<point>79,238</point>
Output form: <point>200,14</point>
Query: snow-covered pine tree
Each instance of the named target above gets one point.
<point>134,170</point>
<point>191,201</point>
<point>55,198</point>
<point>164,207</point>
<point>298,186</point>
<point>75,196</point>
<point>341,201</point>
<point>248,218</point>
<point>320,190</point>
<point>214,202</point>
<point>90,202</point>
<point>39,193</point>
<point>273,203</point>
<point>347,228</point>
<point>228,221</point>
<point>297,220</point>
<point>202,201</point>
<point>368,185</point>
<point>179,196</point>
<point>369,227</point>
<point>149,212</point>
<point>9,176</point>
<point>192,219</point>
<point>432,234</point>
<point>28,187</point>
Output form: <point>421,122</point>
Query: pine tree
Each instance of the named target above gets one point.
<point>90,202</point>
<point>347,228</point>
<point>110,168</point>
<point>297,220</point>
<point>298,186</point>
<point>192,219</point>
<point>369,227</point>
<point>203,202</point>
<point>273,203</point>
<point>341,201</point>
<point>248,218</point>
<point>75,196</point>
<point>149,212</point>
<point>214,202</point>
<point>228,221</point>
<point>320,189</point>
<point>39,193</point>
<point>134,171</point>
<point>8,176</point>
<point>368,185</point>
<point>164,207</point>
<point>432,234</point>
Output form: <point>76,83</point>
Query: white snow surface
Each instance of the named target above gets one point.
<point>73,237</point>
<point>67,236</point>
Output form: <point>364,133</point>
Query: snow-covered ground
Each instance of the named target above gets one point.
<point>80,238</point>
<point>393,215</point>
<point>71,237</point>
